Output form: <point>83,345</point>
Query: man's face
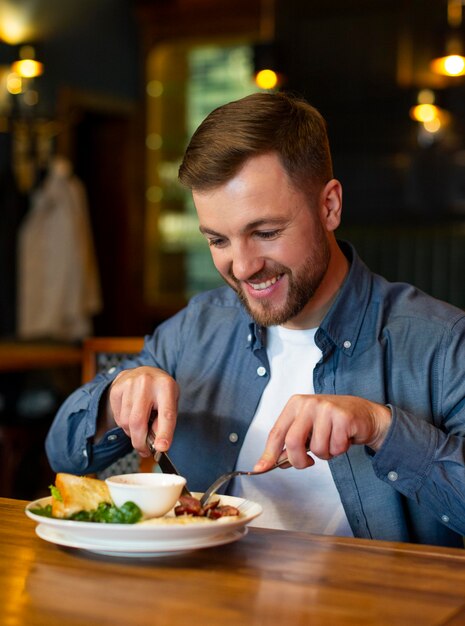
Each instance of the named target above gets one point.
<point>266,241</point>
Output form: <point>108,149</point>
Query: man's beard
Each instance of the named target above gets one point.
<point>301,286</point>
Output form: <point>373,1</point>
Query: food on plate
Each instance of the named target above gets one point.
<point>180,520</point>
<point>77,493</point>
<point>86,499</point>
<point>190,511</point>
<point>190,505</point>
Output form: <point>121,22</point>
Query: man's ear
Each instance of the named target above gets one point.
<point>331,204</point>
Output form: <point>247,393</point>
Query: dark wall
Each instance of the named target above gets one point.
<point>91,45</point>
<point>362,64</point>
<point>98,51</point>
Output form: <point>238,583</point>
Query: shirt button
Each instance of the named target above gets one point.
<point>445,518</point>
<point>249,337</point>
<point>393,476</point>
<point>111,370</point>
<point>347,344</point>
<point>84,453</point>
<point>261,371</point>
<point>112,437</point>
<point>233,437</point>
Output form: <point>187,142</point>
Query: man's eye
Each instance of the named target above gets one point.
<point>216,243</point>
<point>268,234</point>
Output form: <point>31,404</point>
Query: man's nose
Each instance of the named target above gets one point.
<point>246,262</point>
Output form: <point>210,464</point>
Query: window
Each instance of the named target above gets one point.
<point>185,83</point>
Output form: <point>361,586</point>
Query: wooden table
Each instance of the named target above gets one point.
<point>267,577</point>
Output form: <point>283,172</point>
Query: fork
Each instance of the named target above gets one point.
<point>225,477</point>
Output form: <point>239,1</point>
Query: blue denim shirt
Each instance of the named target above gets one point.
<point>387,342</point>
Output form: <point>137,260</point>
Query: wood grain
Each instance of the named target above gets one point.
<point>267,577</point>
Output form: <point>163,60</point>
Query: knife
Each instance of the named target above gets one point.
<point>163,460</point>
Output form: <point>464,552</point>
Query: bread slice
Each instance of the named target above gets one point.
<point>78,493</point>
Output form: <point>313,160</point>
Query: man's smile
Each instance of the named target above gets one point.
<point>265,284</point>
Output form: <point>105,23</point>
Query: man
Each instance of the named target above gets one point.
<point>359,380</point>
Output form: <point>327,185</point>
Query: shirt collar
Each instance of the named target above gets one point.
<point>344,320</point>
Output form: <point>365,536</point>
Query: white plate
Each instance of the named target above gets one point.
<point>141,549</point>
<point>145,539</point>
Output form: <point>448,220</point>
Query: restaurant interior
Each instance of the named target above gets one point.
<point>97,102</point>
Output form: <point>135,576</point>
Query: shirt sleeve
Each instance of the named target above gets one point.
<point>70,444</point>
<point>426,461</point>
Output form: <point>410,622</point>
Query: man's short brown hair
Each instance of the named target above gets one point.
<point>258,124</point>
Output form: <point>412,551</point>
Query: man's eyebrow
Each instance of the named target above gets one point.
<point>208,231</point>
<point>272,221</point>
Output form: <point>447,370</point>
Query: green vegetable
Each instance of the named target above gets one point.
<point>45,511</point>
<point>107,513</point>
<point>55,493</point>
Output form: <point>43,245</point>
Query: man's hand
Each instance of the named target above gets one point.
<point>329,423</point>
<point>137,394</point>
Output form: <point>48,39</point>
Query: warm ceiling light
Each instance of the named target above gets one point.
<point>424,112</point>
<point>433,126</point>
<point>267,65</point>
<point>453,62</point>
<point>266,79</point>
<point>27,68</point>
<point>432,117</point>
<point>14,19</point>
<point>14,84</point>
<point>452,65</point>
<point>426,96</point>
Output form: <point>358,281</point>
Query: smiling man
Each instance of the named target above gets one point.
<point>269,247</point>
<point>306,351</point>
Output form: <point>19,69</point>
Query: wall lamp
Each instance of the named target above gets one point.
<point>267,71</point>
<point>27,66</point>
<point>452,63</point>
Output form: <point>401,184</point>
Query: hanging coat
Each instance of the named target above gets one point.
<point>58,281</point>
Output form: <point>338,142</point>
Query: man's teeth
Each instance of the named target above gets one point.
<point>265,285</point>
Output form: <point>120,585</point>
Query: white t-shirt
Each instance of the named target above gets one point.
<point>292,499</point>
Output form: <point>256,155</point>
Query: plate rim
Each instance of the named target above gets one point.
<point>150,549</point>
<point>109,534</point>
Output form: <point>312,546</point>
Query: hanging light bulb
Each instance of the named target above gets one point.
<point>432,117</point>
<point>27,66</point>
<point>453,62</point>
<point>266,55</point>
<point>266,79</point>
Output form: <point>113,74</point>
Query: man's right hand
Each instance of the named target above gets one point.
<point>134,397</point>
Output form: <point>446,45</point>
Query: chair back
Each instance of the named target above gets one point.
<point>102,353</point>
<point>99,354</point>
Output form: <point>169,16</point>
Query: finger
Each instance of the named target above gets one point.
<point>332,433</point>
<point>340,440</point>
<point>298,441</point>
<point>275,441</point>
<point>140,411</point>
<point>308,463</point>
<point>299,457</point>
<point>322,432</point>
<point>114,408</point>
<point>167,410</point>
<point>298,413</point>
<point>274,449</point>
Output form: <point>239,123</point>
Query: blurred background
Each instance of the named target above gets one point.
<point>98,99</point>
